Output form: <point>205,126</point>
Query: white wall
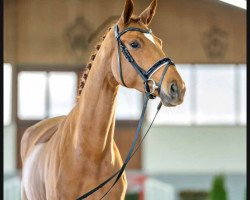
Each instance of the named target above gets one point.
<point>9,149</point>
<point>195,149</point>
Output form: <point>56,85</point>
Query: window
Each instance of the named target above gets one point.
<point>45,94</point>
<point>216,94</point>
<point>7,93</point>
<point>31,95</point>
<point>175,115</point>
<point>62,92</point>
<point>242,94</point>
<point>129,104</point>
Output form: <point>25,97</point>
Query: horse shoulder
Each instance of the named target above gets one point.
<point>40,132</point>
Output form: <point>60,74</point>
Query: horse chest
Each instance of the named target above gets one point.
<point>32,179</point>
<point>84,176</point>
<point>75,188</point>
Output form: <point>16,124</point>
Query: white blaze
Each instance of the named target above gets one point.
<point>150,37</point>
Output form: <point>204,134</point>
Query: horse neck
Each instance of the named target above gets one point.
<point>95,118</point>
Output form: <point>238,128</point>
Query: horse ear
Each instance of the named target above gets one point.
<point>127,12</point>
<point>147,15</point>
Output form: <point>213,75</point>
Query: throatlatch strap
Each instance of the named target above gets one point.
<point>119,63</point>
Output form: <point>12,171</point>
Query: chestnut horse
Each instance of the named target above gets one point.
<point>65,157</point>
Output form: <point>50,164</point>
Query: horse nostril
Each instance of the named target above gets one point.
<point>174,90</point>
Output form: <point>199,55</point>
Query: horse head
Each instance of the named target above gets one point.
<point>139,53</point>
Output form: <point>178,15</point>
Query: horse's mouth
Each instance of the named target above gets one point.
<point>167,100</point>
<point>168,104</point>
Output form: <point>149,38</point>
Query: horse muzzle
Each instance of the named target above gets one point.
<point>173,95</point>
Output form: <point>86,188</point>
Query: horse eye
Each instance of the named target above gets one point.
<point>135,45</point>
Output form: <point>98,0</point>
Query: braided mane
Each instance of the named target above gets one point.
<point>87,68</point>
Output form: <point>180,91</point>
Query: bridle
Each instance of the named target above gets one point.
<point>145,75</point>
<point>149,94</point>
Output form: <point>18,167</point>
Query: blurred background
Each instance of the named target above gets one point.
<point>193,151</point>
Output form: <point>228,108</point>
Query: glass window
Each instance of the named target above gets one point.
<point>215,94</point>
<point>243,90</point>
<point>175,115</point>
<point>31,95</point>
<point>7,93</point>
<point>129,104</point>
<point>215,87</point>
<point>62,92</point>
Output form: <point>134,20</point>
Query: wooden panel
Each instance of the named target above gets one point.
<point>9,31</point>
<point>123,138</point>
<point>191,29</point>
<point>59,31</point>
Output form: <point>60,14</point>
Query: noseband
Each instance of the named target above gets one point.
<point>146,77</point>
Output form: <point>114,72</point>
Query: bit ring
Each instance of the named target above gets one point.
<point>154,86</point>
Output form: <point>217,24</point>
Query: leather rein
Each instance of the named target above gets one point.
<point>149,94</point>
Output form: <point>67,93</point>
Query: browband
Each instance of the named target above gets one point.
<point>118,35</point>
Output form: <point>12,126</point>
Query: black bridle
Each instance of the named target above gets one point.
<point>145,75</point>
<point>149,94</point>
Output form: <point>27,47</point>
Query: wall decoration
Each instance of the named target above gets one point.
<point>77,35</point>
<point>102,26</point>
<point>215,42</point>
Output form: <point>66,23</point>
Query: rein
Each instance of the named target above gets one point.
<point>145,75</point>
